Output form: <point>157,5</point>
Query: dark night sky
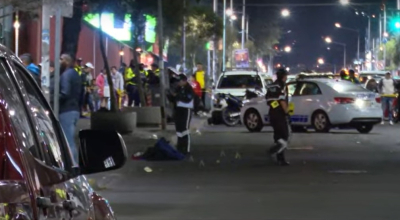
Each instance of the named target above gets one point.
<point>309,24</point>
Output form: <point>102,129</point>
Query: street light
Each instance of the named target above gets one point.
<point>233,17</point>
<point>321,61</point>
<point>329,41</point>
<point>344,2</point>
<point>338,25</point>
<point>287,49</point>
<point>17,25</point>
<point>285,13</point>
<point>229,12</point>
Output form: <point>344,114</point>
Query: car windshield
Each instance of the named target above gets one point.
<point>239,81</point>
<point>346,87</point>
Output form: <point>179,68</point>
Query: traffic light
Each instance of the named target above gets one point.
<point>395,23</point>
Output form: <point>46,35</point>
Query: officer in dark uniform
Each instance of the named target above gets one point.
<point>277,101</point>
<point>183,97</point>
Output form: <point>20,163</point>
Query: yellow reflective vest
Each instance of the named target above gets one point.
<point>129,76</point>
<point>200,78</point>
<point>78,69</point>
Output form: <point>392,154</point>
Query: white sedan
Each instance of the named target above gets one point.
<point>322,104</point>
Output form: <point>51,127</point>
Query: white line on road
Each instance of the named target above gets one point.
<point>301,148</point>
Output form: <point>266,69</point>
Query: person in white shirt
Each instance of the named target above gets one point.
<point>118,82</point>
<point>387,89</point>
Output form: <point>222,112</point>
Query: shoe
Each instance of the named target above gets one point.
<point>283,163</point>
<point>382,123</point>
<point>282,145</point>
<point>391,122</point>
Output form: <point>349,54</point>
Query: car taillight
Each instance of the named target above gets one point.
<point>378,99</point>
<point>343,100</point>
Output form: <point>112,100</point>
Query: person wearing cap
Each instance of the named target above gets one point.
<point>78,65</point>
<point>183,98</point>
<point>277,101</point>
<point>87,79</point>
<point>153,77</point>
<point>131,87</point>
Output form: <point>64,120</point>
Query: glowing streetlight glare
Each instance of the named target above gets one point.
<point>278,65</point>
<point>17,25</point>
<point>321,61</point>
<point>328,40</point>
<point>287,69</point>
<point>344,2</point>
<point>338,25</point>
<point>121,53</point>
<point>287,49</point>
<point>385,34</point>
<point>233,17</point>
<point>285,13</point>
<point>229,12</point>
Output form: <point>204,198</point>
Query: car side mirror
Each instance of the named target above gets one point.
<point>101,151</point>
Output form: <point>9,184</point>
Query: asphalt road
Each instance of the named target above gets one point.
<point>340,175</point>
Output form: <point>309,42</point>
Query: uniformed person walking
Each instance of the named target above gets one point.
<point>183,98</point>
<point>277,101</point>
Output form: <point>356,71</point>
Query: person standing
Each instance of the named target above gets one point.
<point>353,78</point>
<point>69,102</point>
<point>387,89</point>
<point>131,87</point>
<point>277,100</point>
<point>183,98</point>
<point>33,69</point>
<point>87,78</point>
<point>198,93</point>
<point>200,77</point>
<point>118,82</point>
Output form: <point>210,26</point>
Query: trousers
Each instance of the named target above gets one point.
<point>68,121</point>
<point>280,125</point>
<point>133,95</point>
<point>182,125</point>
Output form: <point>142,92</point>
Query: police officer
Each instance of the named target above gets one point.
<point>353,78</point>
<point>277,101</point>
<point>183,98</point>
<point>131,88</point>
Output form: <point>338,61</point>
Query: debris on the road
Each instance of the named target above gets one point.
<point>218,161</point>
<point>238,156</point>
<point>191,158</point>
<point>222,154</point>
<point>202,163</point>
<point>348,171</point>
<point>148,169</point>
<point>154,137</point>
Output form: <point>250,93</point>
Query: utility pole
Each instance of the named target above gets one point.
<point>161,64</point>
<point>184,39</point>
<point>243,21</point>
<point>233,11</point>
<point>247,28</point>
<point>215,48</point>
<point>369,33</point>
<point>385,35</point>
<point>224,39</point>
<point>57,61</point>
<point>45,77</point>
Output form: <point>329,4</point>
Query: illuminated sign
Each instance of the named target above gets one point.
<point>108,25</point>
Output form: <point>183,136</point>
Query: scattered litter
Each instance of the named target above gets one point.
<point>154,136</point>
<point>191,159</point>
<point>198,132</point>
<point>222,154</point>
<point>238,156</point>
<point>202,163</point>
<point>148,169</point>
<point>218,161</point>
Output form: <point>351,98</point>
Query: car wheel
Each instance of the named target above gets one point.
<point>253,121</point>
<point>365,128</point>
<point>320,122</point>
<point>299,129</point>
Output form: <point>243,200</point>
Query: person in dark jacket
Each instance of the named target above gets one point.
<point>183,98</point>
<point>353,78</point>
<point>70,93</point>
<point>33,69</point>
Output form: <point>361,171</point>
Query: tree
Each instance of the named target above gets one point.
<point>390,54</point>
<point>201,24</point>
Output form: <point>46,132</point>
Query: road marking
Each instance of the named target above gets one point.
<point>301,148</point>
<point>349,171</point>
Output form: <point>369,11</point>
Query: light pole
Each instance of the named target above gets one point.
<point>338,25</point>
<point>243,22</point>
<point>321,61</point>
<point>224,38</point>
<point>16,27</point>
<point>329,41</point>
<point>287,49</point>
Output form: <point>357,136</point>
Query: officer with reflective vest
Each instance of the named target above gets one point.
<point>78,66</point>
<point>131,87</point>
<point>277,100</point>
<point>153,77</point>
<point>143,73</point>
<point>352,77</point>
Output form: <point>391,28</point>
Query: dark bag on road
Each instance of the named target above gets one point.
<point>162,151</point>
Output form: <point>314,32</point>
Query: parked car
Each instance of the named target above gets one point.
<point>38,180</point>
<point>321,104</point>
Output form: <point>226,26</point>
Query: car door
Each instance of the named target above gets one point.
<point>307,98</point>
<point>68,198</point>
<point>294,100</point>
